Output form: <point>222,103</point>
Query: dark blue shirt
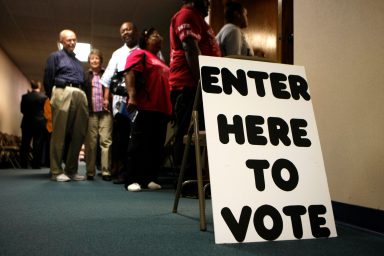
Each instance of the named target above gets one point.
<point>62,67</point>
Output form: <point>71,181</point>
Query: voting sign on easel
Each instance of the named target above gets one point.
<point>267,174</point>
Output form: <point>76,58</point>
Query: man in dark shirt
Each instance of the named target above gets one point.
<point>63,80</point>
<point>32,125</point>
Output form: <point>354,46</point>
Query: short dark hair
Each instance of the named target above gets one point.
<point>145,34</point>
<point>230,8</point>
<point>34,84</point>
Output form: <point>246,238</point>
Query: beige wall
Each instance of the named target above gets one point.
<point>12,85</point>
<point>341,45</point>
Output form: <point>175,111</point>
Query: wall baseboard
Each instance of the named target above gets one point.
<point>362,217</point>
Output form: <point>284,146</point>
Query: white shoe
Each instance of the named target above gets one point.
<point>134,187</point>
<point>77,177</point>
<point>154,186</point>
<point>62,178</point>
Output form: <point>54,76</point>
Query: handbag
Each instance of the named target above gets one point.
<point>118,78</point>
<point>115,86</point>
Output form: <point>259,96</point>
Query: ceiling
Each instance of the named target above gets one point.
<point>29,29</point>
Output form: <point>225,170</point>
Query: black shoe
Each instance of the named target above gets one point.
<point>90,178</point>
<point>107,177</point>
<point>118,180</point>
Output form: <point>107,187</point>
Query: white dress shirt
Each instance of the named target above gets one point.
<point>117,62</point>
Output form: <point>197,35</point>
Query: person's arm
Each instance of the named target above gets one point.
<point>106,80</point>
<point>106,99</point>
<point>49,75</point>
<point>192,52</point>
<point>131,89</point>
<point>22,105</point>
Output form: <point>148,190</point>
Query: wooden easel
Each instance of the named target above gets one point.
<point>195,137</point>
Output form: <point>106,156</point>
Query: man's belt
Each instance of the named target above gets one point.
<point>67,84</point>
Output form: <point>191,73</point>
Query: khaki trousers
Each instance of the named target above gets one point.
<point>99,129</point>
<point>69,122</point>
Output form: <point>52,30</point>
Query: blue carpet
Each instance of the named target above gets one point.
<point>42,217</point>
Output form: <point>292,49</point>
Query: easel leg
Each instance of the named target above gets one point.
<point>193,129</point>
<point>200,188</point>
<point>182,170</point>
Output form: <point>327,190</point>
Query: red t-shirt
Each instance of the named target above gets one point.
<point>155,95</point>
<point>188,22</point>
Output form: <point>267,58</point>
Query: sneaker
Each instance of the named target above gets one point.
<point>89,177</point>
<point>134,187</point>
<point>62,178</point>
<point>154,186</point>
<point>77,177</point>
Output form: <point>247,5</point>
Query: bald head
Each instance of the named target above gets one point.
<point>129,33</point>
<point>68,39</point>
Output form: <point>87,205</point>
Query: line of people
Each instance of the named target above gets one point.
<point>85,110</point>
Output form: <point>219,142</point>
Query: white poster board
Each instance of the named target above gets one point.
<point>267,174</point>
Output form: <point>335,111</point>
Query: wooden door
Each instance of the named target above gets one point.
<point>270,28</point>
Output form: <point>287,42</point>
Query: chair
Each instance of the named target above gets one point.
<point>197,138</point>
<point>9,149</point>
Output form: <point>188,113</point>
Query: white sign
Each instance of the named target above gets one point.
<point>267,174</point>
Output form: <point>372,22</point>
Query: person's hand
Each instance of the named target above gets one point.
<point>131,107</point>
<point>106,105</point>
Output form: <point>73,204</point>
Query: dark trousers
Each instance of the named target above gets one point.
<point>45,148</point>
<point>120,140</point>
<point>146,147</point>
<point>182,102</point>
<point>34,135</point>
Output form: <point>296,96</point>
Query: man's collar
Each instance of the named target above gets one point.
<point>69,53</point>
<point>131,49</point>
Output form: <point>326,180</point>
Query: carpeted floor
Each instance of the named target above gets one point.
<point>42,217</point>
